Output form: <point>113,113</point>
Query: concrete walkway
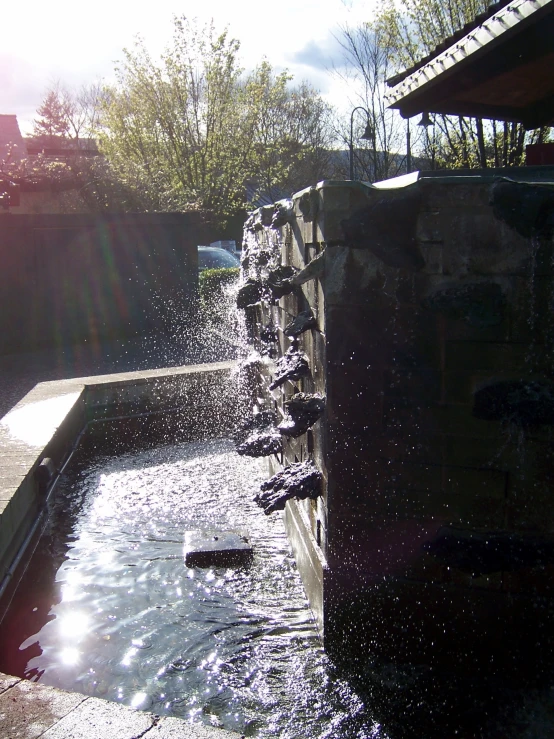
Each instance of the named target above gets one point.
<point>30,710</point>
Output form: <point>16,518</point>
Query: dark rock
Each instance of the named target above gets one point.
<point>279,281</point>
<point>303,411</point>
<point>309,204</point>
<point>304,321</point>
<point>387,228</point>
<point>266,215</point>
<point>261,443</point>
<point>292,366</point>
<point>268,334</point>
<point>481,304</point>
<point>259,421</point>
<point>284,213</point>
<point>250,293</point>
<point>261,257</point>
<point>258,437</point>
<point>481,553</point>
<point>527,208</point>
<point>301,480</point>
<point>522,402</point>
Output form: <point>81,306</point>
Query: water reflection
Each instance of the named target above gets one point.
<point>108,608</point>
<point>127,621</point>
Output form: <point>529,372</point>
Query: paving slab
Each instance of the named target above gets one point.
<point>28,710</point>
<point>174,728</point>
<point>96,718</point>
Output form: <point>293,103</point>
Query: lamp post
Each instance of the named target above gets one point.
<point>408,148</point>
<point>427,121</point>
<point>368,135</point>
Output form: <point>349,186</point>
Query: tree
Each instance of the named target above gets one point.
<point>369,57</point>
<point>53,120</point>
<point>292,131</point>
<point>68,115</point>
<point>190,131</point>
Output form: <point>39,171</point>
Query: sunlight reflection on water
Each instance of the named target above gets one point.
<point>128,621</point>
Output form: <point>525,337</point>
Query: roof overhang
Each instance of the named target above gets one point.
<point>502,69</point>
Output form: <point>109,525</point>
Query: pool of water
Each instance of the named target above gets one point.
<point>108,608</point>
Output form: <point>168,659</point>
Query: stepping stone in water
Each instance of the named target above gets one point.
<point>213,548</point>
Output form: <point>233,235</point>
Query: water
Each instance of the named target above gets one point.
<point>108,608</point>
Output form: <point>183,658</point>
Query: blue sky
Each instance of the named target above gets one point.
<point>78,43</point>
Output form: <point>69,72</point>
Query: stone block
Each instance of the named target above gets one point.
<point>443,195</point>
<point>472,482</point>
<point>175,728</point>
<point>430,227</point>
<point>357,276</point>
<point>531,582</point>
<point>438,420</point>
<point>459,387</point>
<point>337,201</point>
<point>480,356</point>
<point>379,550</point>
<point>479,452</point>
<point>355,399</point>
<point>433,257</point>
<point>102,719</point>
<point>30,710</point>
<point>412,387</point>
<point>398,446</point>
<point>214,548</point>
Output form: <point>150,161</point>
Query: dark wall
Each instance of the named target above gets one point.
<point>69,278</point>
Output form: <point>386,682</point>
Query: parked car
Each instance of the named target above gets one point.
<point>212,257</point>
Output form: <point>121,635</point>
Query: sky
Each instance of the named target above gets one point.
<point>78,43</point>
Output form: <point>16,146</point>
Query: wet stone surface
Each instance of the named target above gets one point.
<point>215,548</point>
<point>304,321</point>
<point>521,402</point>
<point>303,410</point>
<point>386,227</point>
<point>527,208</point>
<point>258,436</point>
<point>301,480</point>
<point>480,304</point>
<point>482,553</point>
<point>292,366</point>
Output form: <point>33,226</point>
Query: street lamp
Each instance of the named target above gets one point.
<point>368,135</point>
<point>408,148</point>
<point>427,121</point>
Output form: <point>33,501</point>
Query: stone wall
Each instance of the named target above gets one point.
<point>433,537</point>
<point>71,278</point>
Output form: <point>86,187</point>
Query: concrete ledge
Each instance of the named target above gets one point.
<point>309,558</point>
<point>30,710</point>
